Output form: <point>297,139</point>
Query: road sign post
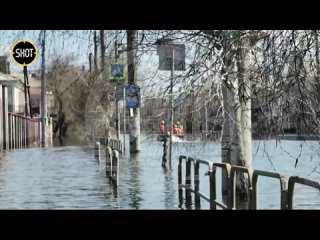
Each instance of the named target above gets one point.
<point>171,58</point>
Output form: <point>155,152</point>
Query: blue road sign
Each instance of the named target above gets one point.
<point>132,96</point>
<point>117,71</point>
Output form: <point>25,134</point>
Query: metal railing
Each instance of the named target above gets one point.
<point>112,149</point>
<point>188,180</point>
<point>286,187</point>
<point>295,179</point>
<point>283,187</point>
<point>97,151</point>
<point>113,143</point>
<point>112,165</point>
<point>214,202</point>
<point>22,131</point>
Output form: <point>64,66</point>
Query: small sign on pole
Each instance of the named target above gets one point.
<point>164,51</point>
<point>132,96</point>
<point>117,71</point>
<point>24,53</point>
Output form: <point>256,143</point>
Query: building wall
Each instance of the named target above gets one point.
<point>19,102</point>
<point>35,99</point>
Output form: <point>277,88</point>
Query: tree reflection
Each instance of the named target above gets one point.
<point>169,188</point>
<point>134,181</point>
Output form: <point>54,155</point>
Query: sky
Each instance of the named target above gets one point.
<point>58,43</point>
<point>79,43</point>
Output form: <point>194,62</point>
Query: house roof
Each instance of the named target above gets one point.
<point>34,82</point>
<point>9,80</point>
<point>8,77</point>
<point>18,80</point>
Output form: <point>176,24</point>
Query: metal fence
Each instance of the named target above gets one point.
<point>112,149</point>
<point>113,143</point>
<point>286,185</point>
<point>22,131</point>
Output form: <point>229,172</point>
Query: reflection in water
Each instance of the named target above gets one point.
<point>53,178</point>
<point>180,192</point>
<point>115,190</point>
<point>169,188</point>
<point>69,177</point>
<point>60,141</point>
<point>188,200</point>
<point>134,182</point>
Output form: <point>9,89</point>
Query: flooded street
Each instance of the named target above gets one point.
<point>69,177</point>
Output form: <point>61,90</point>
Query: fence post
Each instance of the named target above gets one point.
<point>284,193</point>
<point>10,130</point>
<point>115,167</point>
<point>27,133</point>
<point>165,148</point>
<point>5,118</point>
<point>108,160</point>
<point>232,198</point>
<point>19,132</point>
<point>97,151</point>
<point>188,184</point>
<point>212,184</point>
<point>1,120</point>
<point>196,185</point>
<point>14,131</point>
<point>180,191</point>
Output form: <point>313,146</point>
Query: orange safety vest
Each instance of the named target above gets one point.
<point>161,128</point>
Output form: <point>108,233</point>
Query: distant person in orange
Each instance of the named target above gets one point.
<point>162,127</point>
<point>175,130</point>
<point>180,129</point>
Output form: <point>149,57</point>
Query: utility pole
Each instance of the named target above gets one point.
<point>171,106</point>
<point>90,62</point>
<point>117,88</point>
<point>134,121</point>
<point>43,92</point>
<point>103,48</point>
<point>25,73</point>
<point>124,120</point>
<point>95,52</point>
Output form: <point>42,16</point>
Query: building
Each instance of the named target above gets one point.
<point>15,87</point>
<point>35,91</point>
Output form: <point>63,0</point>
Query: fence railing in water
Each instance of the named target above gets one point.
<point>113,143</point>
<point>286,185</point>
<point>112,149</point>
<point>20,132</point>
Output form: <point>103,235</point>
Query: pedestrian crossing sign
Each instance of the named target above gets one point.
<point>117,71</point>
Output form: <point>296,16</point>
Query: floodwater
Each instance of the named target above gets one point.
<point>68,176</point>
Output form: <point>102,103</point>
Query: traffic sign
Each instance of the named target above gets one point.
<point>117,71</point>
<point>165,57</point>
<point>24,53</point>
<point>132,96</point>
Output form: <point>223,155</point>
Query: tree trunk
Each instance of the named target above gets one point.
<point>103,49</point>
<point>227,131</point>
<point>95,50</point>
<point>237,117</point>
<point>228,114</point>
<point>315,35</point>
<point>244,117</point>
<point>134,121</point>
